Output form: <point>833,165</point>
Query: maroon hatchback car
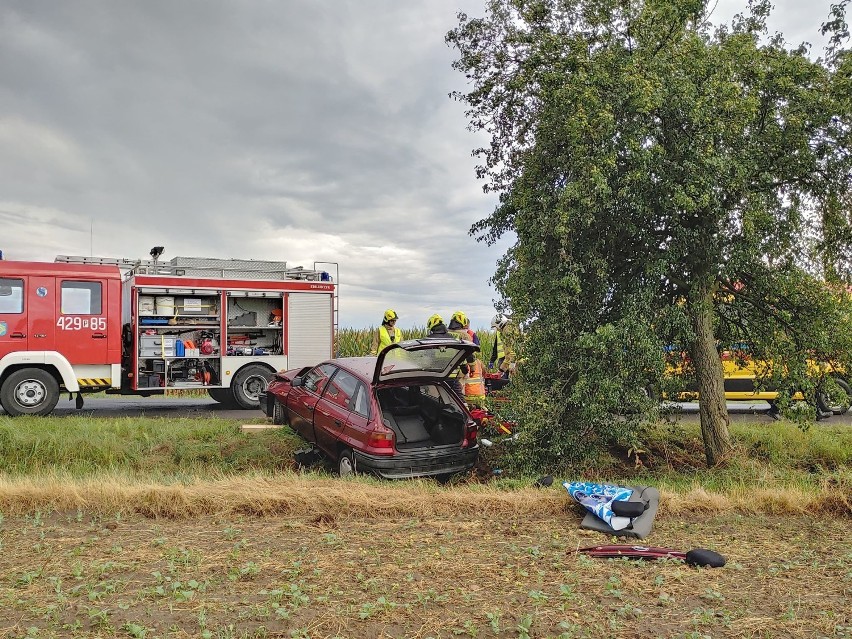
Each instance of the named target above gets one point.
<point>393,415</point>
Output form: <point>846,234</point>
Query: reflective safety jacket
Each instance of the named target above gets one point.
<point>499,351</point>
<point>473,383</point>
<point>503,351</point>
<point>384,339</point>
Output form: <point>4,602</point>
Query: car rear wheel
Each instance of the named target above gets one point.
<point>29,391</point>
<point>346,464</point>
<point>827,404</point>
<point>279,416</point>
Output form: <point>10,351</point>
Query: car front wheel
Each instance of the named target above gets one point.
<point>278,416</point>
<point>346,464</point>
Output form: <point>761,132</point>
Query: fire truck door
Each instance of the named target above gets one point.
<point>81,321</point>
<point>13,319</point>
<point>41,313</point>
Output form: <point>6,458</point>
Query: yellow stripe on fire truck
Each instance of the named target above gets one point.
<point>90,382</point>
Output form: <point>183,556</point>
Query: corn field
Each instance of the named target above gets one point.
<point>354,342</point>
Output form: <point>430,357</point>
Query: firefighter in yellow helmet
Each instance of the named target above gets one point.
<point>502,353</point>
<point>436,327</point>
<point>460,322</point>
<point>473,382</point>
<point>387,334</point>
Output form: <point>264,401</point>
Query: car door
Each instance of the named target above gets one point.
<point>354,431</point>
<point>333,410</point>
<point>42,320</point>
<point>13,319</point>
<point>81,320</point>
<point>302,400</point>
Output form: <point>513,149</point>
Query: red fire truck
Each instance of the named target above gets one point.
<point>143,327</point>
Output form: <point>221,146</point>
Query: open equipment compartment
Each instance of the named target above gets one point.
<point>178,337</point>
<point>255,323</point>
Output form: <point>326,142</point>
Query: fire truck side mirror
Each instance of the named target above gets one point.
<point>5,291</point>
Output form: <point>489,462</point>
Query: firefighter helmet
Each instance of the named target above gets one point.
<point>433,321</point>
<point>461,318</point>
<point>390,315</point>
<point>499,321</point>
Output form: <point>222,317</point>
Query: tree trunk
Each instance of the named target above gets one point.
<point>711,384</point>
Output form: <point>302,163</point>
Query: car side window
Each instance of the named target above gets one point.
<point>341,389</point>
<point>361,403</point>
<point>317,377</point>
<point>11,296</point>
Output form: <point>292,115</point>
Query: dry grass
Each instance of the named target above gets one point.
<point>311,495</point>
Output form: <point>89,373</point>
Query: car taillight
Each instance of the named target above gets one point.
<point>380,439</point>
<point>470,434</point>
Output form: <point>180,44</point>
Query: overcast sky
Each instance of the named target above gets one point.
<point>293,130</point>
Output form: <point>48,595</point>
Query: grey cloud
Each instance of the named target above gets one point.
<point>301,130</point>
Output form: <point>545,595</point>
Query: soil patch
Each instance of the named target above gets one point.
<point>74,573</point>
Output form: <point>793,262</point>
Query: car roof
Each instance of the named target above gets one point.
<point>425,358</point>
<point>362,366</point>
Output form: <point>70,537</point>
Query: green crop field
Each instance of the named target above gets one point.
<point>354,342</point>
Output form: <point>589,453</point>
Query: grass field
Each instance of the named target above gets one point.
<point>189,528</point>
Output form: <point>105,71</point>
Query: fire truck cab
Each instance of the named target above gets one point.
<point>145,327</point>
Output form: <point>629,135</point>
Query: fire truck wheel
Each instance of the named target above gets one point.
<point>221,395</point>
<point>249,382</point>
<point>29,391</point>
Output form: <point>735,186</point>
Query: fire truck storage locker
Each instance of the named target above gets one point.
<point>310,328</point>
<point>178,337</point>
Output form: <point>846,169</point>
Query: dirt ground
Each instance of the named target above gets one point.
<point>73,574</point>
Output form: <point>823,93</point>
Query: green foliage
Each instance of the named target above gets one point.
<point>666,185</point>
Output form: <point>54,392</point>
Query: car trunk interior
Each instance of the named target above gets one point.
<point>421,415</point>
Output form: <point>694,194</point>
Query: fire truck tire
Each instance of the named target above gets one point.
<point>248,383</point>
<point>29,391</point>
<point>221,395</point>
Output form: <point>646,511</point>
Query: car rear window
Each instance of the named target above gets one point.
<point>434,360</point>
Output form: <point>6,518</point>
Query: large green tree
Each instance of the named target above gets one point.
<point>667,183</point>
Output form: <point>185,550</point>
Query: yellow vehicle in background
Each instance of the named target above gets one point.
<point>741,372</point>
